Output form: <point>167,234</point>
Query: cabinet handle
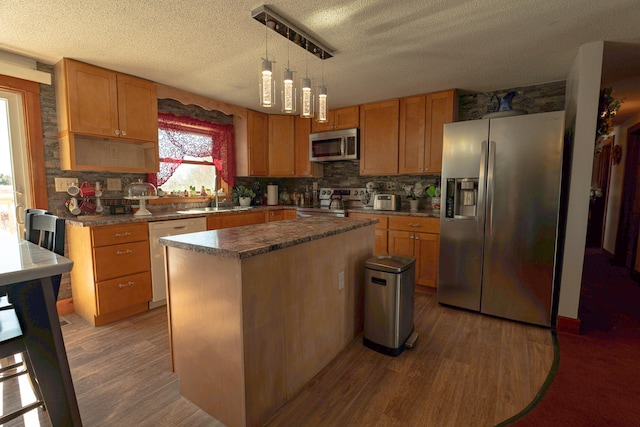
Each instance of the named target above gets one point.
<point>129,283</point>
<point>125,234</point>
<point>117,132</point>
<point>124,133</point>
<point>413,225</point>
<point>128,251</point>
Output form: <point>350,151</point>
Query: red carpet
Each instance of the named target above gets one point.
<point>598,376</point>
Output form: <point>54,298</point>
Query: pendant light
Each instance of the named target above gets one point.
<point>267,85</point>
<point>322,110</point>
<point>306,96</point>
<point>289,94</point>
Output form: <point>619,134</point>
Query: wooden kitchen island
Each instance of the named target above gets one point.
<point>256,311</point>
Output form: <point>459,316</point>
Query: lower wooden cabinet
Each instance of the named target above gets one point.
<point>418,237</point>
<point>218,221</point>
<point>111,277</point>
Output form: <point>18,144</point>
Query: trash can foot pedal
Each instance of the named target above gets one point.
<point>411,341</point>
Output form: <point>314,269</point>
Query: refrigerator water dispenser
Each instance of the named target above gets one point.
<point>461,198</point>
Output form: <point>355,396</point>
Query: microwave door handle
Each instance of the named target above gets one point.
<point>343,147</point>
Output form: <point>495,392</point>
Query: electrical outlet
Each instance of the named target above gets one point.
<point>389,186</point>
<point>341,280</point>
<point>114,184</point>
<point>113,151</point>
<point>63,183</point>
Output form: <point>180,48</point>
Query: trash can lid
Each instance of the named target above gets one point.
<point>390,263</point>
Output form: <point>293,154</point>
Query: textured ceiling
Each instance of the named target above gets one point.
<point>383,49</point>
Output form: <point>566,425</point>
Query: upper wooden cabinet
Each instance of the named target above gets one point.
<point>339,118</point>
<point>107,121</point>
<point>379,138</point>
<point>281,145</point>
<point>100,102</point>
<point>422,119</point>
<point>258,143</point>
<point>303,166</point>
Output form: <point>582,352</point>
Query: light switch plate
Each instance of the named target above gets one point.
<point>114,184</point>
<point>341,280</point>
<point>63,183</point>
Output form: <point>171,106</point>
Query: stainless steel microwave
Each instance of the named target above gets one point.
<point>334,145</point>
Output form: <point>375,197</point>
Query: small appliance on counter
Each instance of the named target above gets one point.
<point>368,195</point>
<point>386,202</point>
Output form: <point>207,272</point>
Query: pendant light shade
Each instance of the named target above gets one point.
<point>306,99</point>
<point>322,110</point>
<point>267,85</point>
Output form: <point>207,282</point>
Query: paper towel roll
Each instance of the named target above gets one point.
<point>272,194</point>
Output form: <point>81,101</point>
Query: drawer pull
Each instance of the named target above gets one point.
<point>129,283</point>
<point>125,234</point>
<point>128,251</point>
<point>413,225</point>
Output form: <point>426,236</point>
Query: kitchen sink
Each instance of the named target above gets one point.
<point>212,209</point>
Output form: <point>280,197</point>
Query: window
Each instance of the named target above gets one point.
<point>189,148</point>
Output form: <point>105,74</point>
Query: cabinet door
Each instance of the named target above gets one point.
<point>323,127</point>
<point>281,146</point>
<point>401,243</point>
<point>379,138</point>
<point>441,108</point>
<point>303,167</point>
<point>258,142</point>
<point>137,108</point>
<point>426,253</point>
<point>346,118</point>
<point>93,99</point>
<point>411,134</point>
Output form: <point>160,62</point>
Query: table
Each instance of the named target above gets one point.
<point>25,275</point>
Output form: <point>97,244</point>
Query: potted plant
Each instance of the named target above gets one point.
<point>413,192</point>
<point>243,194</point>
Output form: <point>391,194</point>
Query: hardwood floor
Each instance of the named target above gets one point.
<point>466,370</point>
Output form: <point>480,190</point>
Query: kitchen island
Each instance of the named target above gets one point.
<point>256,311</point>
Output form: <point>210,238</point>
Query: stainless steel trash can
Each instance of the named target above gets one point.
<point>388,302</point>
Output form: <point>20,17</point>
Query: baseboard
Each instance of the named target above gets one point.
<point>65,306</point>
<point>568,325</point>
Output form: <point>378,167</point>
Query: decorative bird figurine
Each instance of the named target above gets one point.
<point>504,103</point>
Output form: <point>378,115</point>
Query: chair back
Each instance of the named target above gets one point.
<point>47,231</point>
<point>28,213</point>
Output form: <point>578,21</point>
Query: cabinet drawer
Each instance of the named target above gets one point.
<point>116,234</point>
<point>275,215</point>
<point>121,260</point>
<point>411,223</point>
<point>120,293</point>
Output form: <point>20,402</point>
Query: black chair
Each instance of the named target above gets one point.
<point>47,231</point>
<point>28,213</point>
<point>11,344</point>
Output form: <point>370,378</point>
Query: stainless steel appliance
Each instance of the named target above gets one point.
<point>386,202</point>
<point>499,228</point>
<point>334,145</point>
<point>350,197</point>
<point>159,229</point>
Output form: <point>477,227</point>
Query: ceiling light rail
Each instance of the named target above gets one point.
<point>272,20</point>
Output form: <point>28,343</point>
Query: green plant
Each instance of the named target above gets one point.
<point>242,191</point>
<point>607,109</point>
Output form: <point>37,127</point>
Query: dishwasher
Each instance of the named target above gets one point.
<point>159,229</point>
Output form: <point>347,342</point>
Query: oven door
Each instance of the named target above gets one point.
<point>307,212</point>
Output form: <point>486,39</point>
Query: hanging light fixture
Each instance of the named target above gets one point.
<point>322,110</point>
<point>289,94</point>
<point>306,96</point>
<point>267,85</point>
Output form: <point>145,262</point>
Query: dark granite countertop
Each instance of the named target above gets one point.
<point>251,240</point>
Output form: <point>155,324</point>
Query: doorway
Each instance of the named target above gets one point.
<point>627,238</point>
<point>14,170</point>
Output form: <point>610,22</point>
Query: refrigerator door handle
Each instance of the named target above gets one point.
<point>482,187</point>
<point>490,182</point>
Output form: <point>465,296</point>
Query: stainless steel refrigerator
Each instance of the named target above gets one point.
<point>501,181</point>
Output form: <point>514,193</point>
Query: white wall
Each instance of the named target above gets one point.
<point>615,186</point>
<point>583,89</point>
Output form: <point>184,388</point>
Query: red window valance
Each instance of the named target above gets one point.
<point>219,144</point>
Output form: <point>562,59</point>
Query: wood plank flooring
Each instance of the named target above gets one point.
<point>466,370</point>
